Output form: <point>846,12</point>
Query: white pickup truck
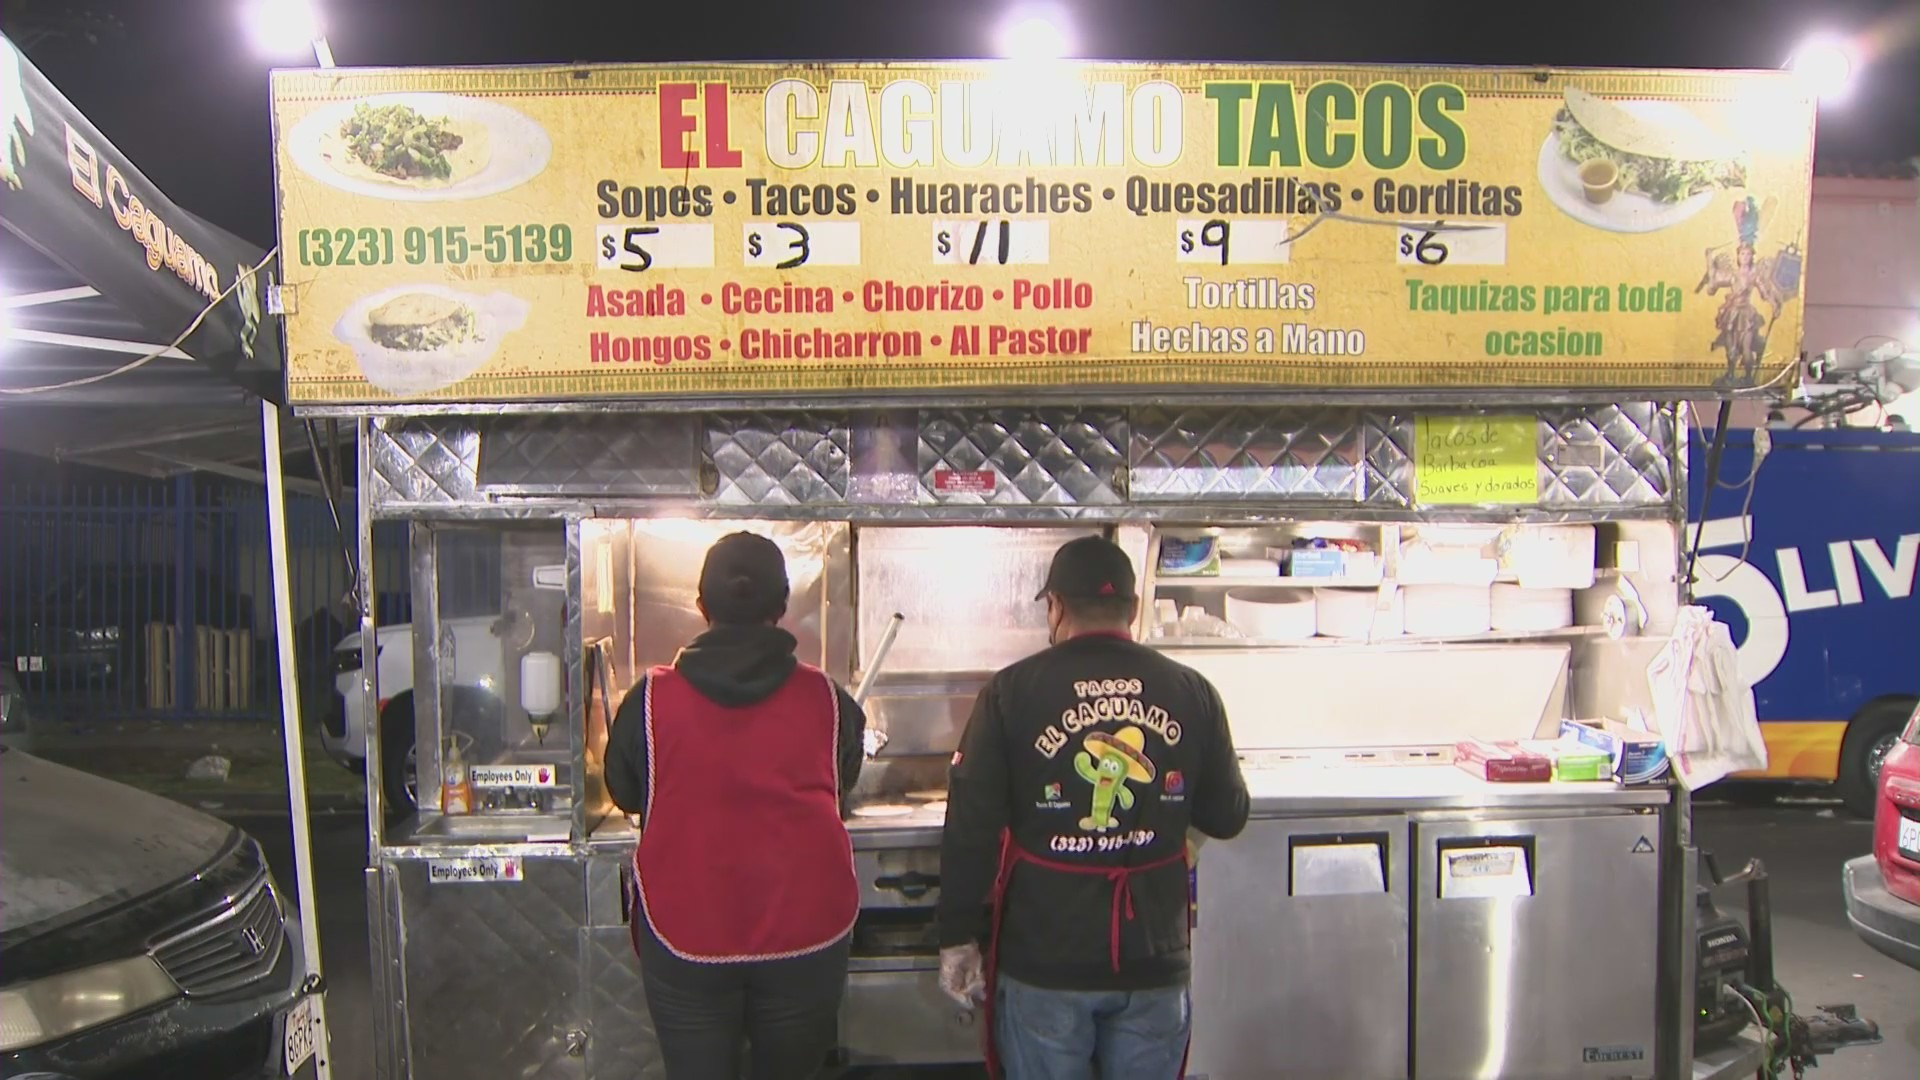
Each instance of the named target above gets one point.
<point>477,660</point>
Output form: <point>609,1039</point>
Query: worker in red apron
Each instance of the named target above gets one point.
<point>737,758</point>
<point>1063,869</point>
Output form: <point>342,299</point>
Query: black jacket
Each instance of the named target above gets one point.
<point>1098,752</point>
<point>731,666</point>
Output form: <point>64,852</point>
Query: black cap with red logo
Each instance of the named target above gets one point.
<point>1089,568</point>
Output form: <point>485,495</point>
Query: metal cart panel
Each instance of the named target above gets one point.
<point>501,959</point>
<point>1314,910</point>
<point>1556,912</point>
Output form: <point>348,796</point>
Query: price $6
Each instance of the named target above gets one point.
<point>1424,248</point>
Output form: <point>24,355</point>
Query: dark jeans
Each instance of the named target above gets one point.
<point>1076,1035</point>
<point>787,1011</point>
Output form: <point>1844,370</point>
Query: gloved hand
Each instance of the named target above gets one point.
<point>963,975</point>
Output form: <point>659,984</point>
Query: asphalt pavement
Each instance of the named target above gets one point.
<point>1817,956</point>
<point>1802,842</point>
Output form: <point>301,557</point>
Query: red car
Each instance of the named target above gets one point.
<point>1883,889</point>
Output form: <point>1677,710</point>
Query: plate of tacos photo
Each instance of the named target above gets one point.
<point>1634,166</point>
<point>416,339</point>
<point>419,147</point>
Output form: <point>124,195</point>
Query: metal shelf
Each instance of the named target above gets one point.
<point>1235,581</point>
<point>1492,636</point>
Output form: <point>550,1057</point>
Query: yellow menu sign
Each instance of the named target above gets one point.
<point>550,233</point>
<point>1475,460</point>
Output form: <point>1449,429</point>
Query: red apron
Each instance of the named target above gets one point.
<point>742,853</point>
<point>1011,856</point>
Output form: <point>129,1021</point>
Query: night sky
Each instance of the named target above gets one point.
<point>175,85</point>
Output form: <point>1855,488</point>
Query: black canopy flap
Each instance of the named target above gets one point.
<point>65,190</point>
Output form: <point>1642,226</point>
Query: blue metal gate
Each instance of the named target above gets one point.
<point>154,598</point>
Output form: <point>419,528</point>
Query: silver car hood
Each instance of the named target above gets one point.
<point>70,840</point>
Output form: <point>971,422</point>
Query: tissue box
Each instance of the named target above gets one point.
<point>1639,757</point>
<point>1573,761</point>
<point>1189,557</point>
<point>1316,562</point>
<point>1502,762</point>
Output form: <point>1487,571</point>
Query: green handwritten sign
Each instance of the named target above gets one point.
<point>1475,461</point>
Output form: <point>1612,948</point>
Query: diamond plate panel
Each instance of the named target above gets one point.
<point>426,461</point>
<point>1606,455</point>
<point>778,459</point>
<point>1230,455</point>
<point>617,454</point>
<point>1389,439</point>
<point>1046,457</point>
<point>492,972</point>
<point>620,1039</point>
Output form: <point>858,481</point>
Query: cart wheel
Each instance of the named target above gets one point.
<point>399,778</point>
<point>1870,734</point>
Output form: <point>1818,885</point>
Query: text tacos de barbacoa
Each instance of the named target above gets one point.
<point>422,322</point>
<point>1666,162</point>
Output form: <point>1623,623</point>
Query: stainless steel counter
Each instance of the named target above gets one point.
<point>919,829</point>
<point>1314,789</point>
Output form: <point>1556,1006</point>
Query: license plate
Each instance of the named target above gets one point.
<point>1909,838</point>
<point>303,1034</point>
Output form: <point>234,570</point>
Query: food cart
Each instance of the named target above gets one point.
<point>1377,373</point>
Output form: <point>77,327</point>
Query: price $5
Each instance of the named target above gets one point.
<point>626,250</point>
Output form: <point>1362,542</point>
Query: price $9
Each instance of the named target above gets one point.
<point>1215,234</point>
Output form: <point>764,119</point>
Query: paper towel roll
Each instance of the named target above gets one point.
<point>1357,613</point>
<point>1272,614</point>
<point>1448,610</point>
<point>1514,608</point>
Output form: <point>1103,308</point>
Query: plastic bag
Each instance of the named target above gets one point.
<point>1704,713</point>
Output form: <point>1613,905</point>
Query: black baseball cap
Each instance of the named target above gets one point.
<point>744,579</point>
<point>1089,568</point>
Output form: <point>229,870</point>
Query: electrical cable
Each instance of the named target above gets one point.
<point>21,391</point>
<point>1714,451</point>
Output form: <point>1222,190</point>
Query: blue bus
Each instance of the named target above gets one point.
<point>1809,558</point>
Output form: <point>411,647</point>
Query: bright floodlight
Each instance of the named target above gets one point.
<point>282,27</point>
<point>1033,34</point>
<point>1826,64</point>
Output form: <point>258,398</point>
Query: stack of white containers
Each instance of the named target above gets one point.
<point>1271,613</point>
<point>1450,573</point>
<point>1453,581</point>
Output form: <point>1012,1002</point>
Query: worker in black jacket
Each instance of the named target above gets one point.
<point>1064,887</point>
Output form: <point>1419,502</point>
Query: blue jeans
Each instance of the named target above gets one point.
<point>1064,1034</point>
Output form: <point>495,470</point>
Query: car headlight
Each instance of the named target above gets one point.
<point>104,634</point>
<point>34,1012</point>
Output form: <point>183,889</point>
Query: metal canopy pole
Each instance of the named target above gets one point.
<point>290,728</point>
